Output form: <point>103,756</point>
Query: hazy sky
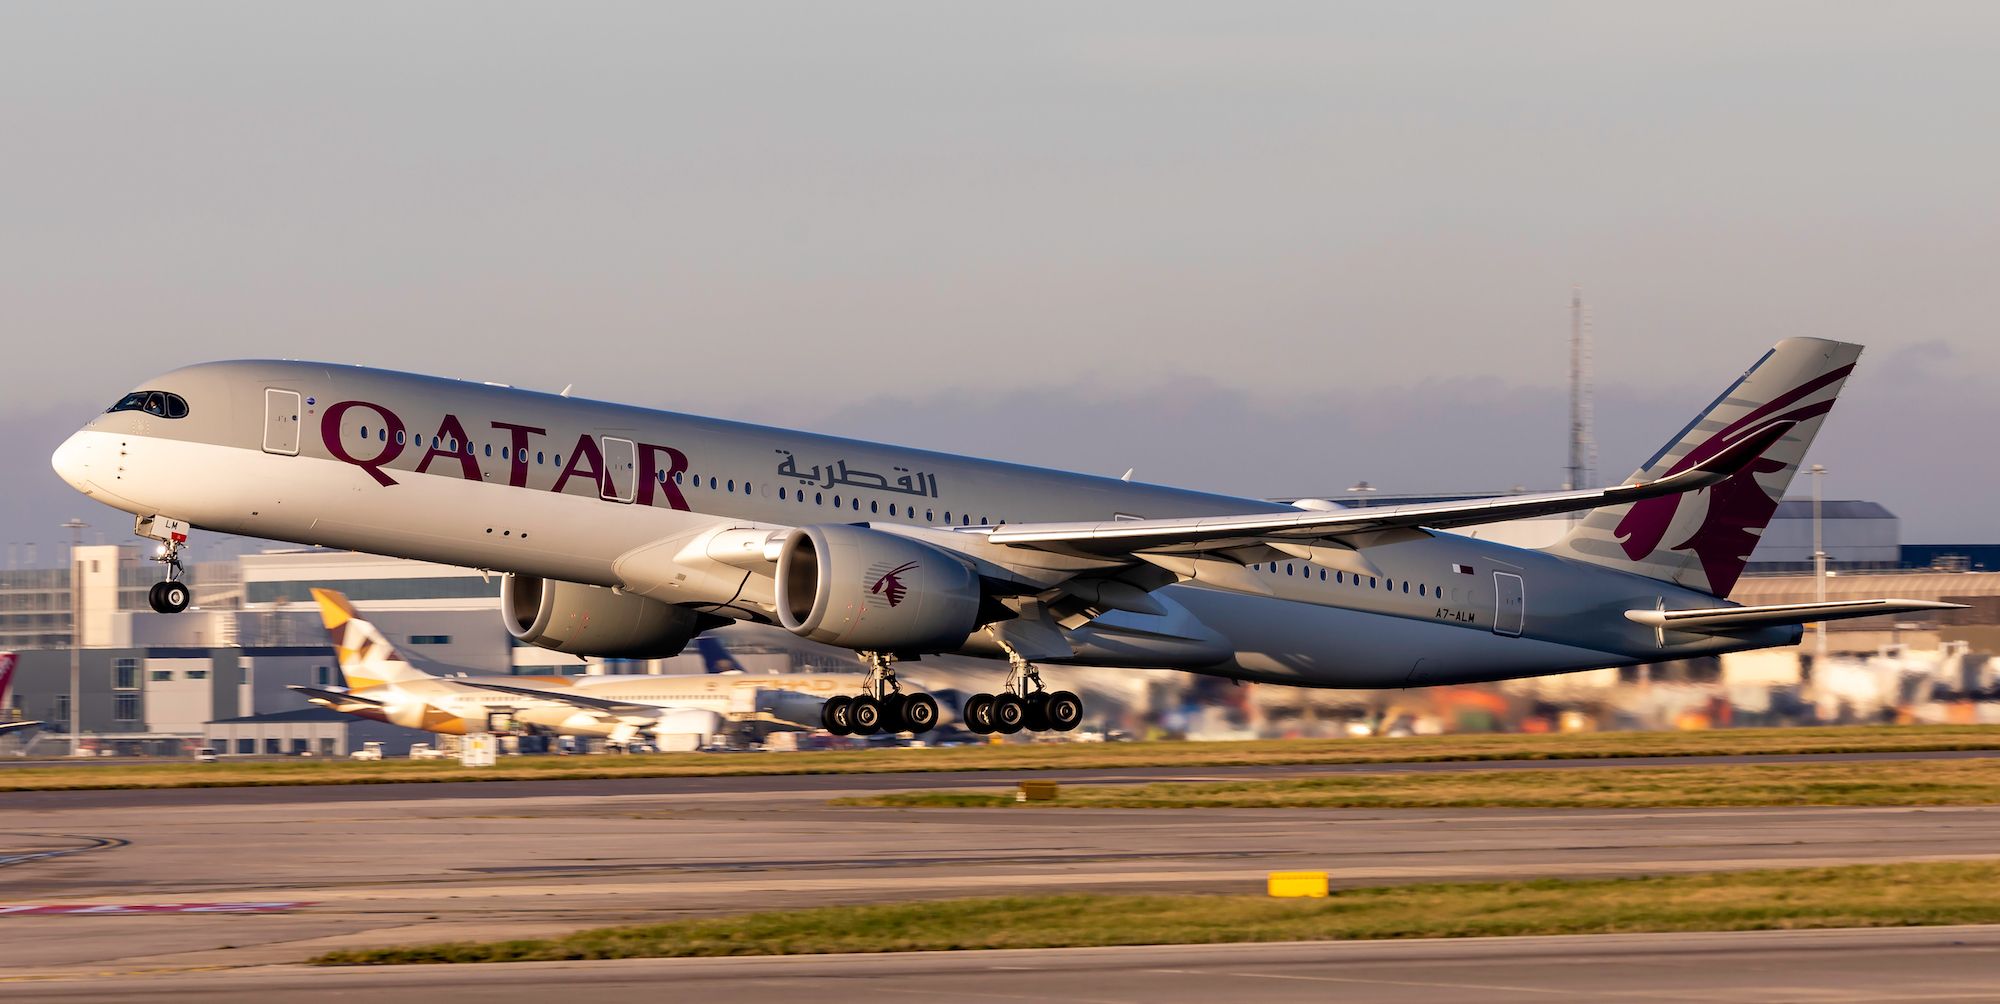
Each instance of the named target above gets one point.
<point>1267,248</point>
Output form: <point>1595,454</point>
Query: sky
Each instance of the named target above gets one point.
<point>1262,248</point>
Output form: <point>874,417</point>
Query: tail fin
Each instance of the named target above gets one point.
<point>1703,539</point>
<point>7,660</point>
<point>367,659</point>
<point>715,658</point>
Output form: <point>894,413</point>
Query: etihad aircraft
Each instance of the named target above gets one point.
<point>384,686</point>
<point>625,532</point>
<point>8,661</point>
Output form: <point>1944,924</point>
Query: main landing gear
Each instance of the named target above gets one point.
<point>173,595</point>
<point>1027,704</point>
<point>882,707</point>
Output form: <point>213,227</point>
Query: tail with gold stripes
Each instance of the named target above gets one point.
<point>367,659</point>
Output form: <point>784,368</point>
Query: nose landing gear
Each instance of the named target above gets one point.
<point>173,595</point>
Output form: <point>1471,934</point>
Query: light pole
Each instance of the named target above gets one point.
<point>1819,571</point>
<point>75,527</point>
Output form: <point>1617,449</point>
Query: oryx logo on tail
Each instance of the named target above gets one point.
<point>890,585</point>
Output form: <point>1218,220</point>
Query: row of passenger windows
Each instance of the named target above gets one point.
<point>451,445</point>
<point>1342,578</point>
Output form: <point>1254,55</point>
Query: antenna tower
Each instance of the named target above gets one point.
<point>1582,443</point>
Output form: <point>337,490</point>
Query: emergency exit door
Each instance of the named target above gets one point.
<point>621,475</point>
<point>281,421</point>
<point>1510,603</point>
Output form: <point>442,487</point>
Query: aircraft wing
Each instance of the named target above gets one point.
<point>338,700</point>
<point>6,727</point>
<point>576,700</point>
<point>1209,533</point>
<point>1722,620</point>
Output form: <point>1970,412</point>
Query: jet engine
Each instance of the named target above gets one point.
<point>872,591</point>
<point>592,620</point>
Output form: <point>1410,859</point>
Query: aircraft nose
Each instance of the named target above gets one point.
<point>72,461</point>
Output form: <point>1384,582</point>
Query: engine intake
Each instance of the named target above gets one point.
<point>872,591</point>
<point>591,620</point>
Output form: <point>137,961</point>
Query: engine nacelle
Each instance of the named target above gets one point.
<point>591,620</point>
<point>875,592</point>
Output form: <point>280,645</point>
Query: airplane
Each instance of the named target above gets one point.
<point>8,660</point>
<point>383,685</point>
<point>625,532</point>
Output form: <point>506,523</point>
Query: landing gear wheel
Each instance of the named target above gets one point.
<point>169,597</point>
<point>1009,714</point>
<point>1037,717</point>
<point>979,714</point>
<point>920,713</point>
<point>1064,711</point>
<point>866,713</point>
<point>893,711</point>
<point>837,715</point>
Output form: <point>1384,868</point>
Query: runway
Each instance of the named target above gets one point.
<point>1758,967</point>
<point>541,859</point>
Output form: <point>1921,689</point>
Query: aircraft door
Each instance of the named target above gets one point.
<point>281,421</point>
<point>1510,605</point>
<point>621,473</point>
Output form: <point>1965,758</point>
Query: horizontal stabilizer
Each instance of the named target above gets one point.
<point>6,727</point>
<point>338,700</point>
<point>1724,620</point>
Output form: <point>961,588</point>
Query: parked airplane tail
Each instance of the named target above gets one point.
<point>1703,539</point>
<point>715,657</point>
<point>367,659</point>
<point>7,660</point>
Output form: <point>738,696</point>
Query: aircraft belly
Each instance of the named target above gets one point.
<point>1310,645</point>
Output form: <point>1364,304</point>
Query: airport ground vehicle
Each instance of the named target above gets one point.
<point>368,751</point>
<point>205,754</point>
<point>626,532</point>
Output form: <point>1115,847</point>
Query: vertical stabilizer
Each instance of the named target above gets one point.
<point>7,661</point>
<point>715,658</point>
<point>1703,539</point>
<point>367,659</point>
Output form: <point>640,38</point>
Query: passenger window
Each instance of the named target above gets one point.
<point>947,515</point>
<point>1288,568</point>
<point>892,508</point>
<point>399,437</point>
<point>930,516</point>
<point>711,482</point>
<point>558,460</point>
<point>364,432</point>
<point>836,501</point>
<point>746,487</point>
<point>819,498</point>
<point>732,486</point>
<point>382,434</point>
<point>489,449</point>
<point>1322,575</point>
<point>1406,587</point>
<point>781,495</point>
<point>874,506</point>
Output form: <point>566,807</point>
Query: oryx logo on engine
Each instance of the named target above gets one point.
<point>890,586</point>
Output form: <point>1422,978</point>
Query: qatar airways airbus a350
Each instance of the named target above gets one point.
<point>626,531</point>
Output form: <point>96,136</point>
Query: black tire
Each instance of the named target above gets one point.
<point>920,713</point>
<point>866,713</point>
<point>892,713</point>
<point>153,598</point>
<point>1037,717</point>
<point>979,714</point>
<point>836,715</point>
<point>175,597</point>
<point>1010,713</point>
<point>1064,710</point>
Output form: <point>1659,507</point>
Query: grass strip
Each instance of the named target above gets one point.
<point>1892,895</point>
<point>1890,782</point>
<point>1028,756</point>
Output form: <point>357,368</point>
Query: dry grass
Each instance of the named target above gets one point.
<point>1855,896</point>
<point>1880,782</point>
<point>1024,756</point>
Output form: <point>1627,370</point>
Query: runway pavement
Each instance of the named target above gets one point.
<point>550,858</point>
<point>804,782</point>
<point>1760,967</point>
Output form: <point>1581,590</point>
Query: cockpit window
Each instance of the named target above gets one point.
<point>152,402</point>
